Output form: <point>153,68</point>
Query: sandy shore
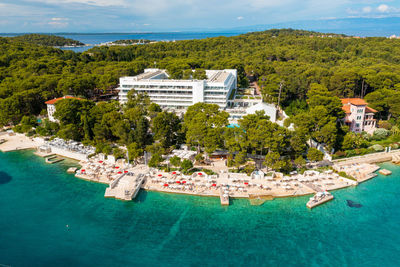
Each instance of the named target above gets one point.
<point>18,142</point>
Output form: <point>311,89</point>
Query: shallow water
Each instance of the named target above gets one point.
<point>50,218</point>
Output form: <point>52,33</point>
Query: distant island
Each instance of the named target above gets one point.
<point>127,42</point>
<point>133,41</point>
<point>46,40</point>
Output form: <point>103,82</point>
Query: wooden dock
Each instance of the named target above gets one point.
<point>223,197</point>
<point>125,187</point>
<point>318,199</point>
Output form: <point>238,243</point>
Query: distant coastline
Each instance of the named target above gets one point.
<point>95,39</point>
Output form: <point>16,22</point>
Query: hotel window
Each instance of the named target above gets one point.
<point>359,111</point>
<point>358,117</point>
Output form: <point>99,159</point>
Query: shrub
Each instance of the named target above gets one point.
<point>249,168</point>
<point>381,133</point>
<point>385,125</point>
<point>175,161</point>
<point>314,154</point>
<point>186,165</point>
<point>339,154</point>
<point>394,146</point>
<point>377,147</point>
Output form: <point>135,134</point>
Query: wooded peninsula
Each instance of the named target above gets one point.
<point>308,71</point>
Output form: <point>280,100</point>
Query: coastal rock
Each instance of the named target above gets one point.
<point>5,178</point>
<point>353,204</point>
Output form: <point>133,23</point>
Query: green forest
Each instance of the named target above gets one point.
<point>313,69</point>
<point>46,40</point>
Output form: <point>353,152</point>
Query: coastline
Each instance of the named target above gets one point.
<point>20,142</point>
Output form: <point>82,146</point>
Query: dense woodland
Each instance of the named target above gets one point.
<point>313,70</point>
<point>47,40</point>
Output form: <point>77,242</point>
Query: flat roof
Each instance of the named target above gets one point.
<point>148,75</point>
<point>219,77</point>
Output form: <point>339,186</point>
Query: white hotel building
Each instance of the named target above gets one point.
<point>180,94</point>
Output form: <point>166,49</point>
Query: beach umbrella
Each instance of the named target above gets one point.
<point>100,161</point>
<point>178,182</point>
<point>125,171</point>
<point>119,172</point>
<point>173,172</point>
<point>117,167</point>
<point>183,182</point>
<point>214,184</point>
<point>246,183</point>
<point>165,184</point>
<point>200,173</point>
<point>160,175</point>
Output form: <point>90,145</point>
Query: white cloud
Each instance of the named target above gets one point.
<point>383,8</point>
<point>58,19</point>
<point>240,18</point>
<point>367,9</point>
<point>86,2</point>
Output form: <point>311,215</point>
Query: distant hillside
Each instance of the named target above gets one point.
<point>378,27</point>
<point>46,40</point>
<point>291,32</point>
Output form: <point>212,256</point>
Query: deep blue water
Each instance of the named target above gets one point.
<point>38,200</point>
<point>97,38</point>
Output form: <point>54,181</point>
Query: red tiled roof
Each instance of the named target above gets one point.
<point>346,109</point>
<point>53,101</point>
<point>354,101</point>
<point>370,110</point>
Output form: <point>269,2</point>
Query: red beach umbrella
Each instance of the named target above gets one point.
<point>83,170</point>
<point>117,167</point>
<point>159,175</point>
<point>214,184</point>
<point>246,183</point>
<point>178,182</point>
<point>173,172</point>
<point>165,184</point>
<point>199,173</point>
<point>100,161</point>
<point>119,172</point>
<point>125,171</point>
<point>183,182</point>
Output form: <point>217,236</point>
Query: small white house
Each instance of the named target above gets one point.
<point>51,106</point>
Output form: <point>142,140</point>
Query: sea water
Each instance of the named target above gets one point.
<point>51,218</point>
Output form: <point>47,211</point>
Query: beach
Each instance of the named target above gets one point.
<point>18,142</point>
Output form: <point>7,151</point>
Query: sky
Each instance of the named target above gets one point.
<point>177,15</point>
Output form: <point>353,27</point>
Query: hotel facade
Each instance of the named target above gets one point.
<point>179,94</point>
<point>359,117</point>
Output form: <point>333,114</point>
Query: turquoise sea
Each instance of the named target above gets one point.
<point>38,201</point>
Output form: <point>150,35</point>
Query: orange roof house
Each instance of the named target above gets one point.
<point>359,117</point>
<point>55,100</point>
<point>51,108</point>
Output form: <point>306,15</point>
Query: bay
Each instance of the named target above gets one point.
<point>51,218</point>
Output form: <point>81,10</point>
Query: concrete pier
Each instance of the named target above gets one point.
<point>125,187</point>
<point>385,172</point>
<point>319,199</point>
<point>224,198</point>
